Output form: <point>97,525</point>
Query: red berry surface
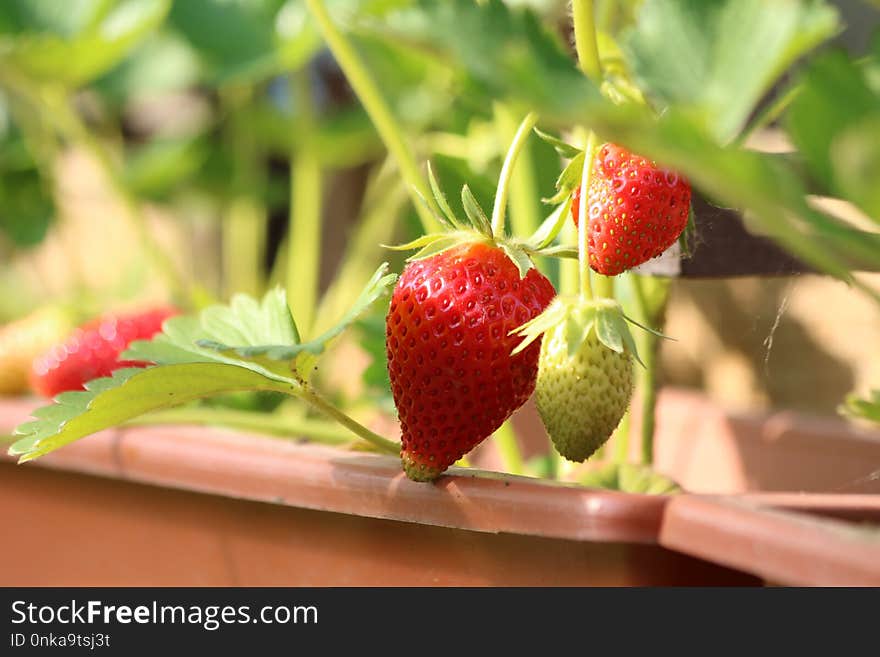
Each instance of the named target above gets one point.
<point>452,376</point>
<point>637,210</point>
<point>93,350</point>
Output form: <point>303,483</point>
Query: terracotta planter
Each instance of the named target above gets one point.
<point>191,506</point>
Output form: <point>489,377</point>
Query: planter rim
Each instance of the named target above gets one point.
<point>778,537</point>
<point>280,471</point>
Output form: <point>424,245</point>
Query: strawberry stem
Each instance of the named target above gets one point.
<point>311,396</point>
<point>585,42</point>
<point>304,222</point>
<point>377,109</point>
<point>500,207</point>
<point>586,289</point>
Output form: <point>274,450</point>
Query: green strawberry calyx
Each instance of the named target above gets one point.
<point>476,227</point>
<point>581,317</point>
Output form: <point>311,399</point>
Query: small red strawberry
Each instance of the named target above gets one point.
<point>93,350</point>
<point>448,346</point>
<point>637,210</point>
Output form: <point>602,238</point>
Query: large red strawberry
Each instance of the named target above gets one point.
<point>448,345</point>
<point>93,350</point>
<point>637,209</point>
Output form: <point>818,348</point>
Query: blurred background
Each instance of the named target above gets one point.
<point>149,146</point>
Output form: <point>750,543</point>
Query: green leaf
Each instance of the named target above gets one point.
<point>629,478</point>
<point>505,52</point>
<point>241,330</point>
<point>130,393</point>
<point>833,122</point>
<point>867,409</point>
<point>76,58</point>
<point>718,58</point>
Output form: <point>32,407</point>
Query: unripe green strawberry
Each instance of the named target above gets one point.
<point>585,372</point>
<point>581,398</point>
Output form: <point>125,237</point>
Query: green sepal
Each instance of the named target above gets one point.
<point>550,227</point>
<point>519,257</point>
<point>581,317</point>
<point>568,179</point>
<point>474,212</point>
<point>565,149</point>
<point>450,219</point>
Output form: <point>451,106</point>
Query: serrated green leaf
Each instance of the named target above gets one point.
<point>565,149</point>
<point>629,478</point>
<point>475,213</point>
<point>719,58</point>
<point>519,257</point>
<point>130,393</point>
<point>277,355</point>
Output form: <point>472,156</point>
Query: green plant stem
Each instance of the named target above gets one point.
<point>500,207</point>
<point>310,396</point>
<point>243,245</point>
<point>508,448</point>
<point>380,114</point>
<point>244,224</point>
<point>585,42</point>
<point>621,439</point>
<point>603,286</point>
<point>304,234</point>
<point>586,290</point>
<point>277,425</point>
<point>647,375</point>
<point>71,126</point>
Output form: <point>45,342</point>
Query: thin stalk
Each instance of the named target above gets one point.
<point>310,396</point>
<point>603,286</point>
<point>244,224</point>
<point>290,427</point>
<point>243,245</point>
<point>500,207</point>
<point>508,448</point>
<point>304,234</point>
<point>377,109</point>
<point>586,289</point>
<point>647,375</point>
<point>621,439</point>
<point>585,42</point>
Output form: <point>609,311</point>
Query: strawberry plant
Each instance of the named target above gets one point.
<point>595,151</point>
